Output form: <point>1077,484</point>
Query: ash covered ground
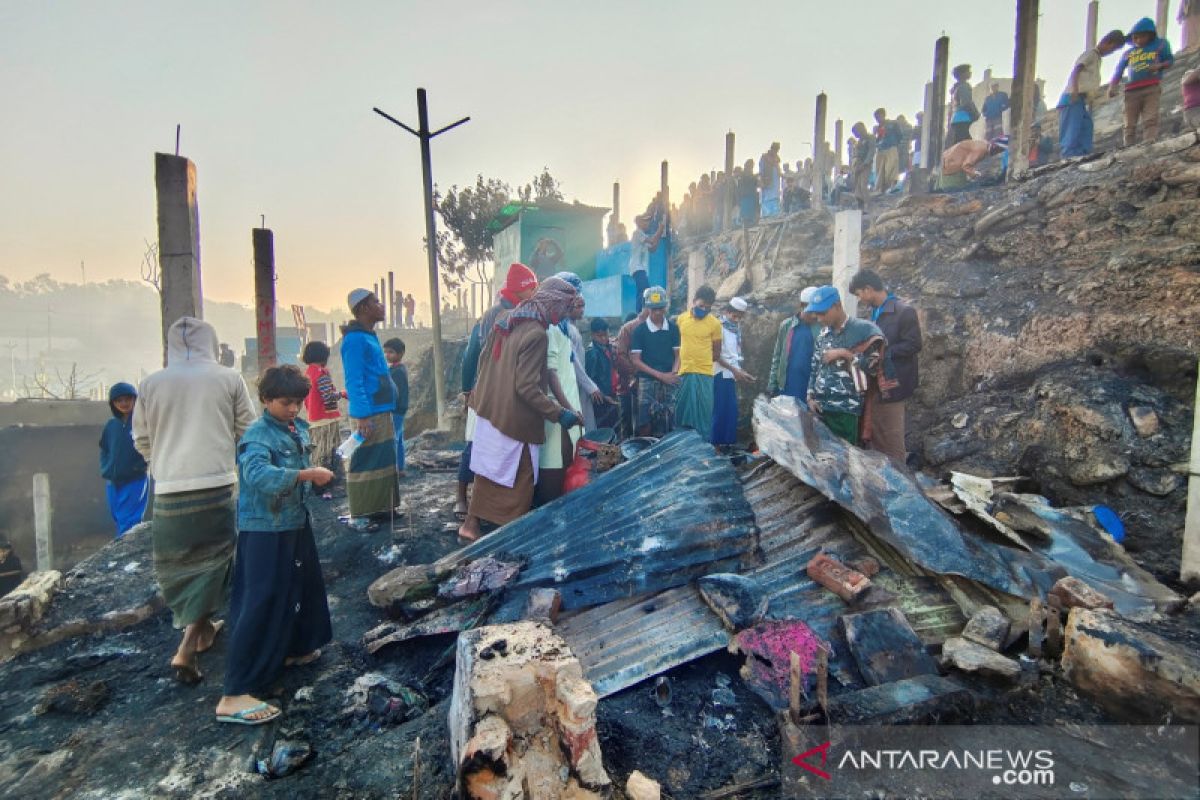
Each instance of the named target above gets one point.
<point>99,716</point>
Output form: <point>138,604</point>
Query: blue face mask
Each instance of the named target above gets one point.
<point>699,313</point>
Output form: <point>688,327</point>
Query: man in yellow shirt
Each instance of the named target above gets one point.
<point>700,339</point>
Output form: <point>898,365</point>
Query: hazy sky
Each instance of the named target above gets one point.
<point>275,102</point>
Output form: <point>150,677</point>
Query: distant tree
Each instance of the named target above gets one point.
<point>542,187</point>
<point>72,386</point>
<point>464,244</point>
<point>41,283</point>
<point>149,266</point>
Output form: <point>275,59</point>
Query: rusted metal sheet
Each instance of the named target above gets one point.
<point>672,514</point>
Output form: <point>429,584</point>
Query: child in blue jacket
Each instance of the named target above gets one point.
<point>278,612</point>
<point>121,466</point>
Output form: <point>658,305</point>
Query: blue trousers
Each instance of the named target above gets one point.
<point>1074,129</point>
<point>398,424</point>
<point>725,410</point>
<point>127,503</point>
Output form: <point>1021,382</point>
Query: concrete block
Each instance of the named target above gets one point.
<point>987,627</point>
<point>1070,592</point>
<point>522,715</point>
<point>967,656</point>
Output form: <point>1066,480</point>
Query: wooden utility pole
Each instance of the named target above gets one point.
<point>1091,33</point>
<point>820,168</point>
<point>1162,17</point>
<point>665,191</point>
<point>264,297</point>
<point>614,221</point>
<point>1024,75</point>
<point>730,191</point>
<point>391,299</point>
<point>838,133</point>
<point>935,118</point>
<point>1189,570</point>
<point>43,522</point>
<point>425,135</point>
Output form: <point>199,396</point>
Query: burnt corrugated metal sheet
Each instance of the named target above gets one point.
<point>622,643</point>
<point>887,499</point>
<point>912,532</point>
<point>672,514</point>
<point>627,641</point>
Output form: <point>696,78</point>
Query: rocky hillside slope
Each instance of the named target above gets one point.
<point>1060,317</point>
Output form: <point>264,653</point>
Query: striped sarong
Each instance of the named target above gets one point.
<point>694,404</point>
<point>194,536</point>
<point>655,406</point>
<point>371,478</point>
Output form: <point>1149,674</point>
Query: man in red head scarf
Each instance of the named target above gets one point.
<point>519,285</point>
<point>510,401</point>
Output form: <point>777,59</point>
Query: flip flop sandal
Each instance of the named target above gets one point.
<point>218,626</point>
<point>187,674</point>
<point>243,717</point>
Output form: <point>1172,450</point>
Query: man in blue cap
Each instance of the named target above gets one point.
<point>838,386</point>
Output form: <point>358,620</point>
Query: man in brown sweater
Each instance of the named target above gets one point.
<point>511,401</point>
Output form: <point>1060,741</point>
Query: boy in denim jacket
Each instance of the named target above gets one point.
<point>278,613</point>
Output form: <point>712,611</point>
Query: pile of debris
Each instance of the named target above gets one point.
<point>910,611</point>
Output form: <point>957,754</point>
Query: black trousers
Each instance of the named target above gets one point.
<point>278,609</point>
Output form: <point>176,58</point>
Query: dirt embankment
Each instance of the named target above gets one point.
<point>1061,321</point>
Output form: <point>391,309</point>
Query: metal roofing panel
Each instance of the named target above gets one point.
<point>672,514</point>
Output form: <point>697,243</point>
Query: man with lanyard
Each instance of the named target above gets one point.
<point>654,348</point>
<point>835,391</point>
<point>728,372</point>
<point>519,285</point>
<point>791,362</point>
<point>900,326</point>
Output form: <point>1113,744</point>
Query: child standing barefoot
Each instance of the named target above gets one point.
<point>278,613</point>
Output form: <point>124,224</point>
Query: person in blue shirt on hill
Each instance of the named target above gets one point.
<point>1146,61</point>
<point>278,615</point>
<point>994,106</point>
<point>122,466</point>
